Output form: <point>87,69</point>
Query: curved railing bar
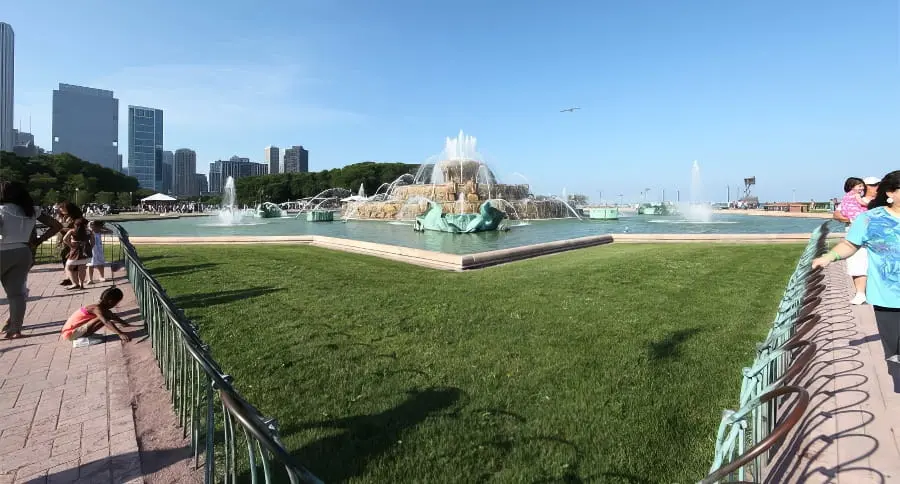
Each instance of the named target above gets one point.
<point>777,434</point>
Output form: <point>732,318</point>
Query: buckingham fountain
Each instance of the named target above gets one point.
<point>456,191</point>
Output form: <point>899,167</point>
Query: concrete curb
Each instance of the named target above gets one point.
<point>456,262</point>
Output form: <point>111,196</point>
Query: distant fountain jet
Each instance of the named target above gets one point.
<point>569,110</point>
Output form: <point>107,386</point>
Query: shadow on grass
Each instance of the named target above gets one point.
<point>151,257</point>
<point>343,456</point>
<point>668,347</point>
<point>181,270</point>
<point>207,299</point>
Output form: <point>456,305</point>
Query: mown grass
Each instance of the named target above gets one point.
<point>609,364</point>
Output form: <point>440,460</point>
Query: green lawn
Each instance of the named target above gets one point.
<point>609,364</point>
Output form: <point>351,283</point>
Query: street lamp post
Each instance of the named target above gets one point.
<point>76,196</point>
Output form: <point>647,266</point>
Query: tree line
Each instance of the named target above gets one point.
<point>292,186</point>
<point>55,178</point>
<point>64,177</point>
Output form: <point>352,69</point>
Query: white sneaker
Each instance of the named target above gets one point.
<point>860,298</point>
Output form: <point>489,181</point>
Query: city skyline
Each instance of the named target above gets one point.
<point>798,95</point>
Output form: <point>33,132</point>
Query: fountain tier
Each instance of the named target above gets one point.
<point>459,182</point>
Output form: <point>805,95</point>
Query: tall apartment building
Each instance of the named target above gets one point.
<point>296,160</point>
<point>236,167</point>
<point>86,124</point>
<point>168,174</point>
<point>145,147</point>
<point>272,158</point>
<point>7,86</point>
<point>202,184</point>
<point>186,173</point>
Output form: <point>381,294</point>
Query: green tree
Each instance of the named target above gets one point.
<point>105,197</point>
<point>291,186</point>
<point>51,197</point>
<point>63,173</point>
<point>124,200</point>
<point>82,197</point>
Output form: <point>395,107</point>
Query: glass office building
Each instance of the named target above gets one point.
<point>145,147</point>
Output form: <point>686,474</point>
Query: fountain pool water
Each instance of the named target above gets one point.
<point>399,233</point>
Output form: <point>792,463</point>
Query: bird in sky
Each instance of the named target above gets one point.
<point>568,110</point>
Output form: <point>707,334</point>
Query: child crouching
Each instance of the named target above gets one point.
<point>89,319</point>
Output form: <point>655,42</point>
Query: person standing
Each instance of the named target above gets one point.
<point>878,230</point>
<point>80,241</point>
<point>18,216</point>
<point>67,214</point>
<point>856,201</point>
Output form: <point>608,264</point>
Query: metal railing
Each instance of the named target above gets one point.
<point>49,251</point>
<point>746,435</point>
<point>233,437</point>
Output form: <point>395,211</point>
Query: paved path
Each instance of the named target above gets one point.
<point>851,430</point>
<point>65,413</point>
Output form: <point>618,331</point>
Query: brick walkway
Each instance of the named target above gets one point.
<point>65,413</point>
<point>851,430</point>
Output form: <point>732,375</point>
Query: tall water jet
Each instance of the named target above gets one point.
<point>697,210</point>
<point>229,214</point>
<point>696,183</point>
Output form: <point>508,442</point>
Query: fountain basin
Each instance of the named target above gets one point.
<point>603,213</point>
<point>320,216</point>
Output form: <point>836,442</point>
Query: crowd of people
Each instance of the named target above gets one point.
<point>172,208</point>
<point>871,208</point>
<point>80,246</point>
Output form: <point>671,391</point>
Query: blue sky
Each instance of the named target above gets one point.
<point>799,94</point>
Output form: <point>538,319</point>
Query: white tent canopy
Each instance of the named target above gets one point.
<point>158,197</point>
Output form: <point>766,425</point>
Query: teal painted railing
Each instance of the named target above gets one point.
<point>49,252</point>
<point>233,438</point>
<point>745,436</point>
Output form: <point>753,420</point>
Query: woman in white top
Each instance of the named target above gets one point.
<point>17,220</point>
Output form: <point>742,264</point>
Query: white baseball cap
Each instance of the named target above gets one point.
<point>871,180</point>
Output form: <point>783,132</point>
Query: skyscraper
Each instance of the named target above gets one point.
<point>168,172</point>
<point>296,160</point>
<point>272,159</point>
<point>86,124</point>
<point>145,146</point>
<point>202,184</point>
<point>236,167</point>
<point>186,173</point>
<point>7,78</point>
